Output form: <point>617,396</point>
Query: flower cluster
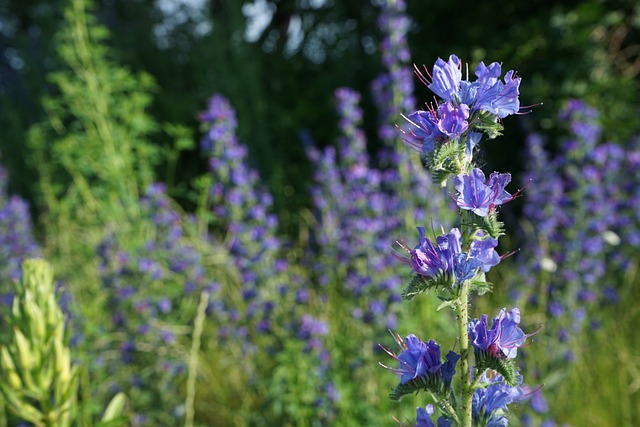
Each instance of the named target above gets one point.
<point>393,90</point>
<point>448,132</point>
<point>17,242</point>
<point>468,107</point>
<point>153,282</point>
<point>496,347</point>
<point>444,263</point>
<point>417,198</point>
<point>421,367</point>
<point>353,210</point>
<point>584,212</point>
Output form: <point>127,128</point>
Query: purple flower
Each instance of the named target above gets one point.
<point>494,96</point>
<point>423,418</point>
<point>420,360</point>
<point>164,305</point>
<point>453,119</point>
<point>424,132</point>
<point>428,260</point>
<point>447,257</point>
<point>482,249</point>
<point>412,360</point>
<point>504,337</point>
<point>446,78</point>
<point>427,128</point>
<point>466,108</point>
<point>489,402</point>
<point>479,197</point>
<point>487,93</point>
<point>314,326</point>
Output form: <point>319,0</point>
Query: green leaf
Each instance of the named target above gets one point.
<point>421,284</point>
<point>481,287</point>
<point>424,383</point>
<point>447,302</point>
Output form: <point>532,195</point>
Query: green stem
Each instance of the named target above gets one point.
<point>467,388</point>
<point>193,359</point>
<point>447,406</point>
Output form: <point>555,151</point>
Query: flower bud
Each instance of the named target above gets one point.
<point>24,350</point>
<point>37,319</point>
<point>5,358</point>
<point>115,407</point>
<point>9,369</point>
<point>14,380</point>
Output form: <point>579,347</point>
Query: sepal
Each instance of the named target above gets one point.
<point>479,284</point>
<point>420,284</point>
<point>423,383</point>
<point>504,366</point>
<point>489,124</point>
<point>445,161</point>
<point>492,225</point>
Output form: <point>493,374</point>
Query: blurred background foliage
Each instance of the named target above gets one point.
<point>280,62</point>
<point>83,135</point>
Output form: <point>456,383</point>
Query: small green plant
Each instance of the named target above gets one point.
<point>40,381</point>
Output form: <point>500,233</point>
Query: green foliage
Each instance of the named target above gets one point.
<point>489,124</point>
<point>489,223</point>
<point>41,381</point>
<point>96,128</point>
<point>92,153</point>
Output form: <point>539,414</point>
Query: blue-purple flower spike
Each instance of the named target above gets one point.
<point>447,133</point>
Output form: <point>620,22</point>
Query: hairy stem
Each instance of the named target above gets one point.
<point>467,389</point>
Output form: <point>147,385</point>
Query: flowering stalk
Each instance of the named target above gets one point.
<point>41,379</point>
<point>454,264</point>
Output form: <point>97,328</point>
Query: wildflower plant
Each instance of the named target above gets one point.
<point>585,216</point>
<point>42,380</point>
<point>266,320</point>
<point>453,264</point>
